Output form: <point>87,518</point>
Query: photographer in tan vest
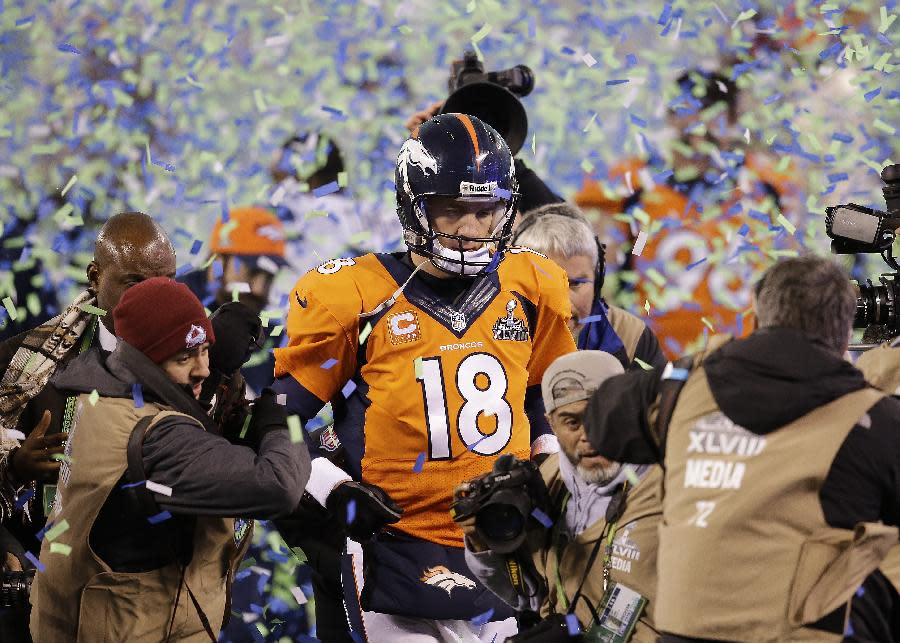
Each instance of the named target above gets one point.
<point>141,544</point>
<point>782,493</point>
<point>601,536</point>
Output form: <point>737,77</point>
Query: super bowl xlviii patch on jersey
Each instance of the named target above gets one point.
<point>509,327</point>
<point>440,576</point>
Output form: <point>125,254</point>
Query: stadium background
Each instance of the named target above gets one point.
<point>177,107</point>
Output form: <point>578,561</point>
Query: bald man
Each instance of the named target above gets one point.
<point>130,247</point>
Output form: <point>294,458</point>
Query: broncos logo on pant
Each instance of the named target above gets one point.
<point>440,576</point>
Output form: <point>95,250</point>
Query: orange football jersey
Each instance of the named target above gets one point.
<point>443,381</point>
<point>700,261</point>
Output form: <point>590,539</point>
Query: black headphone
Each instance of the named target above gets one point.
<point>599,268</point>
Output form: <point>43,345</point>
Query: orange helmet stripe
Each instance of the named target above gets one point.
<point>470,128</point>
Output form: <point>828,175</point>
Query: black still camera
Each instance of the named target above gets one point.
<point>857,229</point>
<point>491,96</point>
<point>15,588</point>
<point>502,503</point>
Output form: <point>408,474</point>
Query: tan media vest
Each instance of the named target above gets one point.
<point>628,327</point>
<point>744,550</point>
<point>78,597</point>
<point>633,558</point>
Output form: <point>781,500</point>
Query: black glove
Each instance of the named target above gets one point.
<point>238,332</point>
<point>266,415</point>
<point>362,508</point>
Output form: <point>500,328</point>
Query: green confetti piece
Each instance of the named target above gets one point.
<point>93,397</point>
<point>882,61</point>
<point>587,166</point>
<point>630,475</point>
<point>417,366</point>
<point>790,227</point>
<point>90,309</point>
<point>644,365</point>
<point>10,308</point>
<point>246,426</point>
<point>60,457</point>
<point>884,127</point>
<point>147,148</point>
<point>708,324</point>
<point>482,33</point>
<point>315,214</point>
<point>342,179</point>
<point>364,334</point>
<point>260,100</point>
<point>886,21</point>
<point>277,330</point>
<point>60,548</point>
<point>656,277</point>
<point>69,184</point>
<point>295,429</point>
<point>56,530</point>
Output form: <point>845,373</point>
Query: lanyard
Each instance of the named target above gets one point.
<point>608,535</point>
<point>86,339</point>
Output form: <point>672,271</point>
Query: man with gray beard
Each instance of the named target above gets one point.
<point>598,550</point>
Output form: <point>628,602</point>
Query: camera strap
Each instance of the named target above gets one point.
<point>613,512</point>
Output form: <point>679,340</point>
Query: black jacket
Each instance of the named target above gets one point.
<point>762,383</point>
<point>209,475</point>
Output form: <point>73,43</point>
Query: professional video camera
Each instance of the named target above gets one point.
<point>493,96</point>
<point>857,229</point>
<point>15,588</point>
<point>502,503</point>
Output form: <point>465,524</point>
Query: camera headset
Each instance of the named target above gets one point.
<point>599,268</point>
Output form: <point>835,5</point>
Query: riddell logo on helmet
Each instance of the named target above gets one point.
<point>195,336</point>
<point>477,189</point>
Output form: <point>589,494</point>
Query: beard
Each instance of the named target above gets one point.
<point>601,475</point>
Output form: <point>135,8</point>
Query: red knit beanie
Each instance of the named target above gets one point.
<point>161,317</point>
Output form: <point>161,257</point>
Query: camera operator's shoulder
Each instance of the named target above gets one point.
<point>529,272</point>
<point>881,366</point>
<point>550,469</point>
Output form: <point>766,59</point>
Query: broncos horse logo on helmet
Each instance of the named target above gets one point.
<point>457,156</point>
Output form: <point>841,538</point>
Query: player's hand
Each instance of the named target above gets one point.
<point>362,508</point>
<point>33,460</point>
<point>237,329</point>
<point>423,115</point>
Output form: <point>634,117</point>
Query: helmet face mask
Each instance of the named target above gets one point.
<point>452,166</point>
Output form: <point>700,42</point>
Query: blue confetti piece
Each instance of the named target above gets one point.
<point>872,94</point>
<point>137,395</point>
<point>25,20</point>
<point>568,51</point>
<point>40,535</point>
<point>860,591</point>
<point>133,484</point>
<point>501,193</point>
<point>328,188</point>
<point>573,625</point>
<point>591,319</point>
<point>335,112</point>
<point>420,462</point>
<point>542,518</point>
<point>35,561</point>
<point>630,60</point>
<point>743,230</point>
<point>217,269</point>
<point>327,364</point>
<point>640,122</point>
<point>831,51</point>
<point>351,512</point>
<point>771,99</point>
<point>67,48</point>
<point>620,81</point>
<point>837,177</point>
<point>695,264</point>
<point>24,498</point>
<point>740,325</point>
<point>162,516</point>
<point>849,631</point>
<point>481,619</point>
<point>195,247</point>
<point>664,17</point>
<point>348,389</point>
<point>679,374</point>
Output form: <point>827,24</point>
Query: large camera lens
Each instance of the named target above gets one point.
<point>891,177</point>
<point>500,522</point>
<point>877,303</point>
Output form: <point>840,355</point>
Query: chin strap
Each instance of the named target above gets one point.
<point>390,301</point>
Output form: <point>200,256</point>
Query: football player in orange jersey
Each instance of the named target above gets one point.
<point>435,357</point>
<point>710,224</point>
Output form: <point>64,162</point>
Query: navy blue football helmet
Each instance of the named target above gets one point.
<point>458,156</point>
